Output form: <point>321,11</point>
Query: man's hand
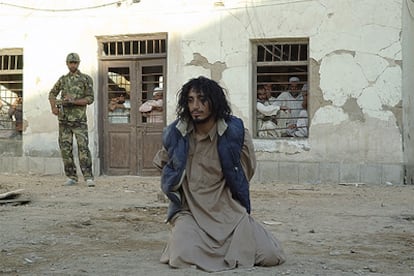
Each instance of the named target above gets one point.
<point>54,106</point>
<point>68,101</point>
<point>55,110</point>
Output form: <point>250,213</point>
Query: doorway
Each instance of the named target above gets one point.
<point>130,137</point>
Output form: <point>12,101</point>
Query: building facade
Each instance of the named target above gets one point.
<point>352,58</point>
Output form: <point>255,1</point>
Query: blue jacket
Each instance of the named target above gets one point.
<point>230,143</point>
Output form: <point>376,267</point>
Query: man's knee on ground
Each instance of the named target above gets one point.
<point>270,257</point>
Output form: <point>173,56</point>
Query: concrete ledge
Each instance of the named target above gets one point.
<point>328,173</point>
<point>267,171</point>
<point>36,165</point>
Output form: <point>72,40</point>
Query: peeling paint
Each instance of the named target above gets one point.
<point>315,99</point>
<point>329,115</point>
<point>372,65</point>
<point>341,78</point>
<point>353,110</point>
<point>397,110</point>
<point>216,69</point>
<point>287,147</point>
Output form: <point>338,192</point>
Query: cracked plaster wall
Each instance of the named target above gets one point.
<point>355,67</point>
<point>408,90</point>
<point>355,86</point>
<point>355,76</point>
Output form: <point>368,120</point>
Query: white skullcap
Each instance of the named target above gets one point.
<point>157,90</point>
<point>293,79</point>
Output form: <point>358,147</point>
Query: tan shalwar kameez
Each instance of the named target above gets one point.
<point>214,231</point>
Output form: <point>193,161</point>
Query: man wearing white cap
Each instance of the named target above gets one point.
<point>153,109</point>
<point>293,99</point>
<point>267,110</point>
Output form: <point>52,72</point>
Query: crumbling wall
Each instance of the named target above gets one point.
<point>357,122</point>
<point>408,90</point>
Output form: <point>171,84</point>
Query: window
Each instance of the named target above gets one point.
<point>280,88</point>
<point>142,50</point>
<point>11,93</point>
<point>119,92</point>
<point>126,47</point>
<point>152,80</point>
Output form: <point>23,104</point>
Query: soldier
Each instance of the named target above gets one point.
<point>75,89</point>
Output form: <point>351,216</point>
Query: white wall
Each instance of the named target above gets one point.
<point>355,81</point>
<point>408,89</point>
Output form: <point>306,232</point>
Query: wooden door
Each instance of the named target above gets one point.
<point>130,140</point>
<point>151,74</point>
<point>118,131</point>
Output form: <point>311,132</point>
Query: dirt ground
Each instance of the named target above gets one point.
<point>117,228</point>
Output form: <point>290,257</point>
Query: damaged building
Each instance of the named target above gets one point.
<point>352,62</point>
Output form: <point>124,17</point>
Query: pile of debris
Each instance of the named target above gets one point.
<point>13,197</point>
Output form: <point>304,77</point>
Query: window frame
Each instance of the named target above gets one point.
<point>11,88</point>
<point>280,78</point>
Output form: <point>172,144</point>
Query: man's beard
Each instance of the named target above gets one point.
<point>201,121</point>
<point>295,93</point>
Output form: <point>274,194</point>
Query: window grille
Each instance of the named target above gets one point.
<point>11,62</point>
<point>275,64</point>
<point>282,52</point>
<point>11,92</point>
<point>138,47</point>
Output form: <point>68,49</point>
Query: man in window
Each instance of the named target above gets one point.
<point>292,99</point>
<point>300,129</point>
<point>266,110</point>
<point>16,111</point>
<point>153,109</point>
<point>119,109</point>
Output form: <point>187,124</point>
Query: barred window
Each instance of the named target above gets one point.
<point>281,88</point>
<point>11,93</point>
<point>145,46</point>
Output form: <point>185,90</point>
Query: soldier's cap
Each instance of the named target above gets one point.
<point>73,57</point>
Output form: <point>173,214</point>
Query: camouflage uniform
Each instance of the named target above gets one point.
<point>73,121</point>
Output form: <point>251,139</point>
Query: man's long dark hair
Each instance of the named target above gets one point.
<point>213,93</point>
